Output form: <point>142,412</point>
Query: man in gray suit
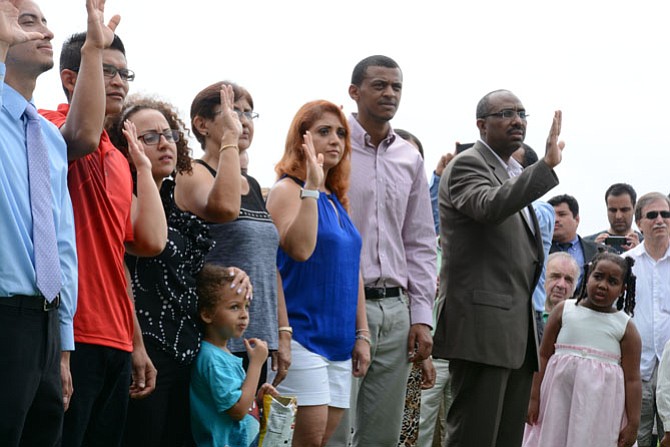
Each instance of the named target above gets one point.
<point>492,258</point>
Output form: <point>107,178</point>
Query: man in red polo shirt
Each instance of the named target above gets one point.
<point>107,222</point>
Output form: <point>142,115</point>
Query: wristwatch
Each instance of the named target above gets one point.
<point>313,193</point>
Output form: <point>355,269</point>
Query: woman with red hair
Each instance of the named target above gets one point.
<point>319,252</point>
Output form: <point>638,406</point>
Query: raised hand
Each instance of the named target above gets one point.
<point>444,161</point>
<point>135,149</point>
<point>11,33</point>
<point>231,122</point>
<point>554,150</point>
<point>98,34</point>
<point>314,176</point>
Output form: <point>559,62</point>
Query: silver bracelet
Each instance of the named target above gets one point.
<point>364,338</point>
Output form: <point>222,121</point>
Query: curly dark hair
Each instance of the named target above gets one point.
<point>135,103</point>
<point>627,299</point>
<point>212,283</point>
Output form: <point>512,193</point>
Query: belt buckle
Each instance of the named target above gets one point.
<point>51,305</point>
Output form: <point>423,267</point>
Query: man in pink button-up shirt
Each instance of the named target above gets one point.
<point>390,206</point>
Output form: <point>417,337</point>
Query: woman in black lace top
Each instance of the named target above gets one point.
<point>164,286</point>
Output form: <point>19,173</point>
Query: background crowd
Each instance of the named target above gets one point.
<point>143,303</point>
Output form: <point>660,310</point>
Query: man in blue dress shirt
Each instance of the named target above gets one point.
<point>35,329</point>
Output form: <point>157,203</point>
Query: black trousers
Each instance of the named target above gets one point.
<point>163,418</point>
<point>97,412</point>
<point>31,412</point>
<point>489,404</point>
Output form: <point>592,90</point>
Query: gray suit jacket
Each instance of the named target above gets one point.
<point>491,259</point>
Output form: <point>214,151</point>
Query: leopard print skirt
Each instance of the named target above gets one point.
<point>409,433</point>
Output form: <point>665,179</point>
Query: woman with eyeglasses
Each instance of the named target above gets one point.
<point>164,286</point>
<point>250,241</point>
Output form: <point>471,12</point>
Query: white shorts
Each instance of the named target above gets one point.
<point>315,380</point>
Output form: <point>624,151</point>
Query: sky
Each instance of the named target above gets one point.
<point>603,63</point>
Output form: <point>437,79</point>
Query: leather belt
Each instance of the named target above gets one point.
<point>376,293</point>
<point>31,302</point>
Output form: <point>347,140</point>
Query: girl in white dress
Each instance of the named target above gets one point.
<point>588,389</point>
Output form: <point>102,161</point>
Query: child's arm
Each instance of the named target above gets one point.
<point>631,347</point>
<point>551,331</point>
<point>266,388</point>
<point>258,353</point>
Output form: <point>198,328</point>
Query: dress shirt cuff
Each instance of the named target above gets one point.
<point>66,337</point>
<point>420,314</point>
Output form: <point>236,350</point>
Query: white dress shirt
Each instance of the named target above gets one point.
<point>652,308</point>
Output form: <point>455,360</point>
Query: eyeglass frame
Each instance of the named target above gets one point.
<point>173,135</point>
<point>124,73</point>
<point>250,114</point>
<point>511,112</point>
<point>652,215</point>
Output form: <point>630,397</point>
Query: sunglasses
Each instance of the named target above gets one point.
<point>651,215</point>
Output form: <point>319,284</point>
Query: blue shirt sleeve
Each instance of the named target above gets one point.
<point>545,218</point>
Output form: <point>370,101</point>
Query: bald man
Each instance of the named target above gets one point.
<point>561,280</point>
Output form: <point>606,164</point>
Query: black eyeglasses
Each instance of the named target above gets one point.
<point>170,135</point>
<point>109,71</point>
<point>651,215</point>
<point>508,114</point>
<point>250,115</point>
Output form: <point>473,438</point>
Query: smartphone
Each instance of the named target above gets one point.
<point>616,241</point>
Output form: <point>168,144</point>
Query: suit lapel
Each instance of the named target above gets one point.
<point>499,171</point>
<point>501,175</point>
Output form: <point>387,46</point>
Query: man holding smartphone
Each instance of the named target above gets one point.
<point>620,199</point>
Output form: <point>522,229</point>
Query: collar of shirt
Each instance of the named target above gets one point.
<point>570,245</point>
<point>13,102</point>
<point>358,133</point>
<point>513,168</point>
<point>641,250</point>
